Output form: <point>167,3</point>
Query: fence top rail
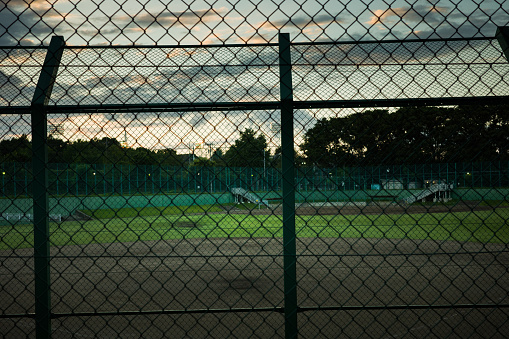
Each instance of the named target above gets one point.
<point>248,44</point>
<point>268,105</point>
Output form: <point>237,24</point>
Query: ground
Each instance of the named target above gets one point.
<point>233,287</point>
<point>371,208</point>
<point>364,287</point>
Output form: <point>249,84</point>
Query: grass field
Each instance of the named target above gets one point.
<point>151,211</point>
<point>156,224</point>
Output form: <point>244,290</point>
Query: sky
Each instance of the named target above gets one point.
<point>351,71</point>
<point>86,22</point>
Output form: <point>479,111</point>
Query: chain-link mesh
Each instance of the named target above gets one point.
<point>184,170</point>
<point>200,22</point>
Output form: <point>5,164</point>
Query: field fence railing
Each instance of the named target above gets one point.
<point>127,179</point>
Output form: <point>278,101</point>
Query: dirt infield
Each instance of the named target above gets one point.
<point>373,208</point>
<point>243,279</point>
<point>390,208</point>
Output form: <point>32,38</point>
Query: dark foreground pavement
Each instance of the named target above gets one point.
<point>365,287</point>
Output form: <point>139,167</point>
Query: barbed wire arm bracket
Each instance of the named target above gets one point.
<point>503,39</point>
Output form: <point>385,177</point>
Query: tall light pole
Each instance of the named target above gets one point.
<point>264,174</point>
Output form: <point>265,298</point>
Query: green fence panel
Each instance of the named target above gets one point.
<point>78,179</point>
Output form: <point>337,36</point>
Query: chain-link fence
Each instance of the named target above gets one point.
<point>187,170</point>
<point>82,179</point>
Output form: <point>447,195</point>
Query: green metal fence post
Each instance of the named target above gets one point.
<point>121,180</point>
<point>502,36</point>
<point>287,154</point>
<point>76,178</point>
<point>25,190</point>
<point>40,186</point>
<point>12,179</point>
<point>113,191</point>
<point>55,180</point>
<point>103,177</point>
<point>86,179</point>
<point>151,177</point>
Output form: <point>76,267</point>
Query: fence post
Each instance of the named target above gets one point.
<point>25,167</point>
<point>14,179</point>
<point>40,185</point>
<point>502,36</point>
<point>287,155</point>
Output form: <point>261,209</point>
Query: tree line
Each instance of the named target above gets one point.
<point>408,135</point>
<point>94,151</point>
<point>249,150</point>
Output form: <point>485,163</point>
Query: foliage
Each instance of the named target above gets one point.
<point>248,151</point>
<point>16,149</point>
<point>203,162</point>
<point>94,151</point>
<point>276,160</point>
<point>218,158</point>
<point>410,135</point>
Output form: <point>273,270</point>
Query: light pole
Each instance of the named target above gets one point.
<point>264,176</point>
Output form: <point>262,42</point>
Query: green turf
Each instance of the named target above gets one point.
<point>482,226</point>
<point>159,211</point>
<point>151,211</point>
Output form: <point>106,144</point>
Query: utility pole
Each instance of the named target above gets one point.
<point>264,172</point>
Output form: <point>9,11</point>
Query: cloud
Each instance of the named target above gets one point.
<point>177,130</point>
<point>459,25</point>
<point>9,80</point>
<point>176,75</point>
<point>33,22</point>
<point>431,21</point>
<point>168,19</point>
<point>13,126</point>
<point>414,14</point>
<point>28,23</point>
<point>14,91</point>
<point>301,22</point>
<point>308,26</point>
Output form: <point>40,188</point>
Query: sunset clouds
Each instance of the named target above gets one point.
<point>87,22</point>
<point>346,71</point>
